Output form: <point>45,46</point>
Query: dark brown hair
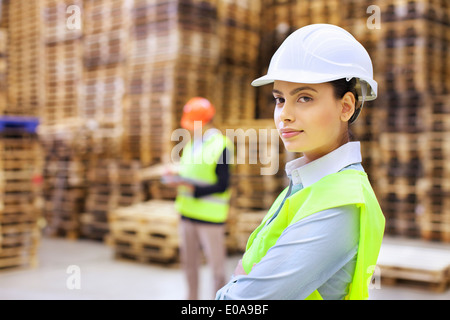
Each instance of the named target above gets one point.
<point>341,87</point>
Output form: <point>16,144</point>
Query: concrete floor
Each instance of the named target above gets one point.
<point>104,278</point>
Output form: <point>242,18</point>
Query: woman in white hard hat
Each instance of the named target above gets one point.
<point>322,235</point>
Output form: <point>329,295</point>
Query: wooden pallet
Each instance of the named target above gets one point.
<point>94,226</point>
<point>64,190</point>
<point>426,266</point>
<point>168,258</point>
<point>146,131</point>
<point>20,164</point>
<point>146,231</point>
<point>106,15</point>
<point>63,75</point>
<point>403,146</point>
<point>18,260</point>
<point>435,222</point>
<point>239,102</point>
<point>439,122</point>
<point>153,49</point>
<point>105,48</point>
<point>435,231</point>
<point>240,41</point>
<point>438,146</point>
<point>55,21</point>
<point>438,172</point>
<point>19,243</point>
<point>143,251</point>
<point>26,68</point>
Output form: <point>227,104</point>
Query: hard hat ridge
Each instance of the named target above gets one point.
<point>321,53</point>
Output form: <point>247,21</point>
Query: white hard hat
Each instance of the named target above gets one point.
<point>321,53</point>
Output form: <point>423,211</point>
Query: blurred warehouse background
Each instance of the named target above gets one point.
<point>91,91</point>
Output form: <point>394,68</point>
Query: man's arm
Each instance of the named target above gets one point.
<point>223,178</point>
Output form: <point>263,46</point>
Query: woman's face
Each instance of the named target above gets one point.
<point>310,119</point>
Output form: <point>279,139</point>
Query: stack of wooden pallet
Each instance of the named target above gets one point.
<point>236,99</point>
<point>413,58</point>
<point>435,220</point>
<point>25,64</point>
<point>238,29</point>
<point>67,151</point>
<point>173,54</point>
<point>4,15</point>
<point>105,47</point>
<point>146,232</point>
<point>101,110</point>
<point>59,18</point>
<point>20,191</point>
<point>111,184</point>
<point>102,196</point>
<point>64,188</point>
<point>239,25</point>
<point>63,63</point>
<point>3,69</point>
<point>401,182</point>
<point>304,12</point>
<point>130,184</point>
<point>147,120</point>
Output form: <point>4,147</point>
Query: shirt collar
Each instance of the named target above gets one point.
<point>333,162</point>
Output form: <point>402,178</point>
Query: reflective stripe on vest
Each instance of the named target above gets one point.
<point>208,198</point>
<point>199,167</point>
<point>335,190</point>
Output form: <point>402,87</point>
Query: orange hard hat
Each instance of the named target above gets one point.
<point>197,109</point>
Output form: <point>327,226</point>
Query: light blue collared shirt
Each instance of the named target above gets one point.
<point>315,253</point>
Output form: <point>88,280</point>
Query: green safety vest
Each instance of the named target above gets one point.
<point>199,167</point>
<point>335,190</point>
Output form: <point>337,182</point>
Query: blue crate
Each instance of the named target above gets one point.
<point>18,124</point>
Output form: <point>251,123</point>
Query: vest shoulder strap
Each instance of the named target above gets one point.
<point>335,190</point>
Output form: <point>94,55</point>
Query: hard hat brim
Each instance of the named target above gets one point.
<point>189,124</point>
<point>297,76</point>
<point>313,78</point>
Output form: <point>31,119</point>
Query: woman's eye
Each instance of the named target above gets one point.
<point>304,99</point>
<point>279,100</point>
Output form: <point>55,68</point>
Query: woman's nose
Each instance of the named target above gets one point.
<point>287,114</point>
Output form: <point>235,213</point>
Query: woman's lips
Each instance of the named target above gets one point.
<point>290,133</point>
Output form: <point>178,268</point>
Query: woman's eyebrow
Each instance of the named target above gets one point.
<point>301,89</point>
<point>295,90</point>
<point>277,92</point>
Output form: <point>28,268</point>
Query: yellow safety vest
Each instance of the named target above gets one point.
<point>199,167</point>
<point>335,190</point>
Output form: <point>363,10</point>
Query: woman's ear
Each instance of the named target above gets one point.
<point>348,104</point>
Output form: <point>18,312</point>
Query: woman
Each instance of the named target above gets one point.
<point>322,235</point>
